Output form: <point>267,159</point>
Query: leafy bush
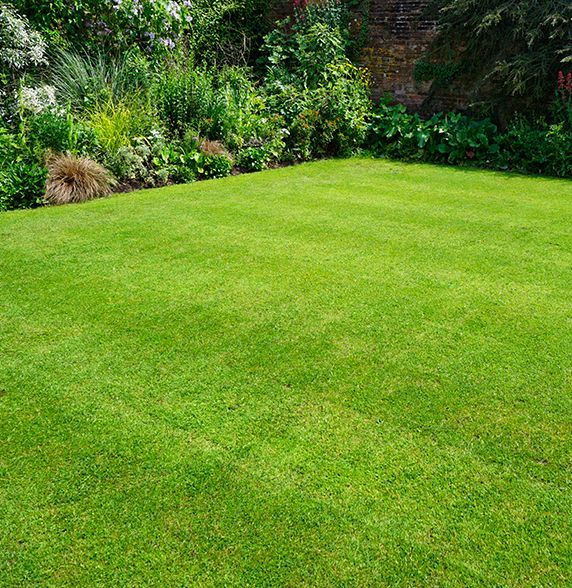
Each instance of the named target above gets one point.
<point>51,131</point>
<point>184,98</point>
<point>22,185</point>
<point>258,156</point>
<point>329,120</point>
<point>241,115</point>
<point>454,138</point>
<point>224,107</point>
<point>299,51</point>
<point>22,178</point>
<point>130,165</point>
<point>12,147</point>
<point>253,159</point>
<point>175,162</point>
<point>537,148</point>
<point>214,166</point>
<point>116,125</point>
<point>155,161</point>
<point>344,108</point>
<point>322,97</point>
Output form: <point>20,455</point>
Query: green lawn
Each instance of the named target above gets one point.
<point>346,373</point>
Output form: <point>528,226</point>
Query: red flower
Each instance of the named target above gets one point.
<point>565,85</point>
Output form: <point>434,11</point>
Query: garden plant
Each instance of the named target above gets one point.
<point>147,84</point>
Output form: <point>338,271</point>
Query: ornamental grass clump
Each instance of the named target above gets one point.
<point>214,148</point>
<point>76,179</point>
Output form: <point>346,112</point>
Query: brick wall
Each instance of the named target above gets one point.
<point>399,34</point>
<point>398,37</point>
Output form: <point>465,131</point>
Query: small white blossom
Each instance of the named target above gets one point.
<point>20,46</point>
<point>38,99</point>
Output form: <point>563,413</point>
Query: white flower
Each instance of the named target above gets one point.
<point>20,46</point>
<point>37,100</point>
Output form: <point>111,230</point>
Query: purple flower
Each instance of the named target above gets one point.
<point>167,43</point>
<point>174,10</point>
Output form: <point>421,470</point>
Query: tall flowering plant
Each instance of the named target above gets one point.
<point>565,87</point>
<point>155,25</point>
<point>564,96</point>
<point>22,50</point>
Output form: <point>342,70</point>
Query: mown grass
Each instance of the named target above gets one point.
<point>347,373</point>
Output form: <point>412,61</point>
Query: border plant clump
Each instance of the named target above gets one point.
<point>145,94</point>
<point>539,146</point>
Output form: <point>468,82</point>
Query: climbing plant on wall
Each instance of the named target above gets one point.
<point>509,50</point>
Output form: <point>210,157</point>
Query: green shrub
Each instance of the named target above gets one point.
<point>253,159</point>
<point>344,109</point>
<point>155,161</point>
<point>184,99</point>
<point>257,156</point>
<point>116,125</point>
<point>249,119</point>
<point>321,96</point>
<point>215,166</point>
<point>455,138</point>
<point>50,131</point>
<point>22,185</point>
<point>329,120</point>
<point>225,107</point>
<point>22,178</point>
<point>300,49</point>
<point>174,162</point>
<point>12,147</point>
<point>537,148</point>
<point>451,138</point>
<point>241,113</point>
<point>130,164</point>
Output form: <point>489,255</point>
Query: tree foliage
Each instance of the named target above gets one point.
<point>224,31</point>
<point>509,50</point>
